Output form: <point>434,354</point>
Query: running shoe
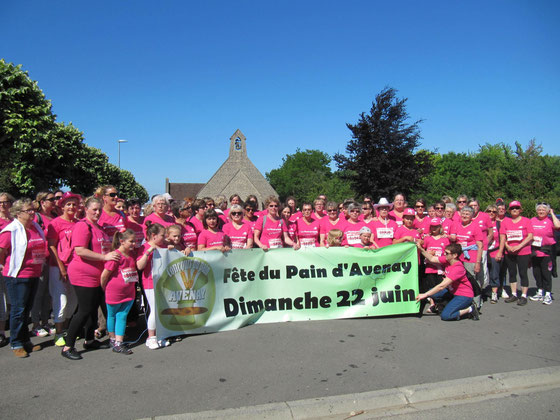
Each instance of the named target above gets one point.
<point>537,297</point>
<point>121,348</point>
<point>494,298</point>
<point>511,299</point>
<point>59,340</point>
<point>39,332</point>
<point>475,316</point>
<point>522,301</point>
<point>547,300</point>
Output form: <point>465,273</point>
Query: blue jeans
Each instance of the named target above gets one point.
<point>116,317</point>
<point>451,310</point>
<point>21,292</point>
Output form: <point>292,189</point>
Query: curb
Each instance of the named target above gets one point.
<point>390,401</point>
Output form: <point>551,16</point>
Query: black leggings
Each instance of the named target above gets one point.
<point>89,299</point>
<point>542,273</point>
<point>514,262</point>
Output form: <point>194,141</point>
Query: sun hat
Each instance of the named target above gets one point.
<point>383,202</point>
<point>67,196</point>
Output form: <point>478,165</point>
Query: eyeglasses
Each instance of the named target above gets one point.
<point>5,203</point>
<point>438,208</point>
<point>236,213</point>
<point>491,211</point>
<point>332,211</point>
<point>112,194</point>
<point>28,211</point>
<point>354,211</point>
<point>462,201</point>
<point>272,205</point>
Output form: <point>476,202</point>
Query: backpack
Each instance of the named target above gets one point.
<point>474,284</point>
<point>66,245</point>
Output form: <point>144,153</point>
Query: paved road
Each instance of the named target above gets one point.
<point>279,362</point>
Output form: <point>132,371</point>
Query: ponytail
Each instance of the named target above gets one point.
<point>121,236</point>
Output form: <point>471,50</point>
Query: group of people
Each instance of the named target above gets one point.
<point>87,260</point>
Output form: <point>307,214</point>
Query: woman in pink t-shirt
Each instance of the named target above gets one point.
<point>318,209</point>
<point>290,226</point>
<point>543,251</point>
<point>161,206</point>
<point>111,219</point>
<point>212,236</point>
<point>118,280</point>
<point>422,221</point>
<point>307,228</point>
<point>59,234</point>
<point>434,244</point>
<point>399,204</point>
<point>84,271</point>
<point>455,285</point>
<point>383,228</point>
<point>407,232</point>
<point>353,225</point>
<point>238,231</point>
<point>23,252</point>
<point>516,236</point>
<point>269,229</point>
<point>198,208</point>
<point>6,201</point>
<point>332,221</point>
<point>494,267</point>
<point>135,221</point>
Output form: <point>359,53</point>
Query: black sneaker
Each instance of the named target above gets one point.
<point>511,299</point>
<point>95,345</point>
<point>522,301</point>
<point>71,354</point>
<point>121,348</point>
<point>3,340</point>
<point>475,315</point>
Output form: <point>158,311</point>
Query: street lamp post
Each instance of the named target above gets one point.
<point>121,141</point>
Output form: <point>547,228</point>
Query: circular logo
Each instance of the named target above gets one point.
<point>185,294</point>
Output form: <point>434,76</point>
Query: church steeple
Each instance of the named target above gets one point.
<point>237,148</point>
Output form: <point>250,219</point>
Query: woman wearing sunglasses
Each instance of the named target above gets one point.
<point>269,230</point>
<point>111,219</point>
<point>239,231</point>
<point>496,269</point>
<point>542,247</point>
<point>516,236</point>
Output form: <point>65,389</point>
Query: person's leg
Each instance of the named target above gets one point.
<point>494,273</point>
<point>484,269</point>
<point>3,310</point>
<point>511,263</point>
<point>64,300</point>
<point>86,302</point>
<point>546,270</point>
<point>91,322</point>
<point>152,315</point>
<point>20,293</point>
<point>523,267</point>
<point>41,304</point>
<point>457,307</point>
<point>111,317</point>
<point>479,277</point>
<point>503,278</point>
<point>536,262</point>
<point>121,315</point>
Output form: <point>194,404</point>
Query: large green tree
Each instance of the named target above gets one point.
<point>381,158</point>
<point>40,153</point>
<point>305,175</point>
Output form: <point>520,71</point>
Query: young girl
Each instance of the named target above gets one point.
<point>212,236</point>
<point>435,244</point>
<point>118,280</point>
<point>155,235</point>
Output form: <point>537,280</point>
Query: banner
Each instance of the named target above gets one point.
<point>210,291</point>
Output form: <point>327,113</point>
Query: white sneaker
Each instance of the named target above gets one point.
<point>494,298</point>
<point>164,343</point>
<point>152,343</point>
<point>504,294</point>
<point>537,297</point>
<point>547,300</point>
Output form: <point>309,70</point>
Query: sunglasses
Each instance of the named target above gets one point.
<point>273,205</point>
<point>438,208</point>
<point>57,197</point>
<point>112,194</point>
<point>542,204</point>
<point>462,201</point>
<point>420,206</point>
<point>250,210</point>
<point>332,211</point>
<point>236,213</point>
<point>52,199</point>
<point>515,208</point>
<point>491,211</point>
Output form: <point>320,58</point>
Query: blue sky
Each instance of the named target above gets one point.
<point>177,78</point>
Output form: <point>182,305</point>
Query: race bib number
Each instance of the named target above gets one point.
<point>39,255</point>
<point>353,238</point>
<point>537,241</point>
<point>514,235</point>
<point>275,243</point>
<point>129,275</point>
<point>385,233</point>
<point>237,245</point>
<point>307,242</point>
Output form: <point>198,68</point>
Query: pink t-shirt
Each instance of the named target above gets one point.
<point>308,234</point>
<point>383,233</point>
<point>4,223</point>
<point>296,216</point>
<point>121,286</point>
<point>460,285</point>
<point>291,228</point>
<point>112,224</point>
<point>326,226</point>
<point>238,236</point>
<point>81,271</point>
<point>495,246</point>
<point>446,225</point>
<point>467,236</point>
<point>435,247</point>
<point>396,218</point>
<point>543,233</point>
<point>189,236</point>
<point>59,232</point>
<point>483,221</point>
<point>351,235</point>
<point>211,239</point>
<point>198,225</point>
<point>457,216</point>
<point>35,253</point>
<point>403,231</point>
<point>271,233</point>
<point>46,221</point>
<point>147,280</point>
<point>516,233</point>
<point>423,224</point>
<point>154,218</point>
<point>138,229</point>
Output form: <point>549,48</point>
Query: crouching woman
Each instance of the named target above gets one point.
<point>455,286</point>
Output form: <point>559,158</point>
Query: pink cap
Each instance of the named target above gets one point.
<point>409,212</point>
<point>67,196</point>
<point>515,204</point>
<point>436,221</point>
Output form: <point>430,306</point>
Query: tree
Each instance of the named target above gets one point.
<point>39,153</point>
<point>381,158</point>
<point>305,175</point>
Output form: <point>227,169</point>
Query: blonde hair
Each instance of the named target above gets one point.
<point>333,235</point>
